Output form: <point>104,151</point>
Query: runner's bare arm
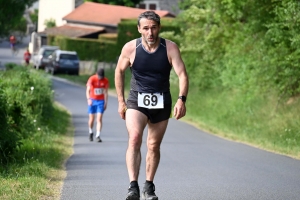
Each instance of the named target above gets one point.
<point>105,98</point>
<point>123,63</point>
<point>87,93</point>
<point>179,68</point>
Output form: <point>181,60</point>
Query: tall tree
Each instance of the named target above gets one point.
<point>11,13</point>
<point>129,3</point>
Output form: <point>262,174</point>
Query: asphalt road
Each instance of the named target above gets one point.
<point>6,55</point>
<point>194,165</point>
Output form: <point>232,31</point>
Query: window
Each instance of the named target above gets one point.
<point>68,56</point>
<point>152,6</point>
<point>142,6</point>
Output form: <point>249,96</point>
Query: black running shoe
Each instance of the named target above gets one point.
<point>133,193</point>
<point>91,136</point>
<point>148,192</point>
<point>98,139</point>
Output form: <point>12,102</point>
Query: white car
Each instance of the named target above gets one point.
<point>40,60</point>
<point>63,62</point>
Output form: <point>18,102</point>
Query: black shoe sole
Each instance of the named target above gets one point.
<point>144,198</point>
<point>133,198</point>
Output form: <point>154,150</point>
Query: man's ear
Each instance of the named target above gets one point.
<point>138,28</point>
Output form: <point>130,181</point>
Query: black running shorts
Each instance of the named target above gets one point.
<point>154,115</point>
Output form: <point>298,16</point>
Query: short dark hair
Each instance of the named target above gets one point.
<point>100,72</point>
<point>151,15</point>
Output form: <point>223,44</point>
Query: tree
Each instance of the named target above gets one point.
<point>49,23</point>
<point>11,13</point>
<point>128,3</point>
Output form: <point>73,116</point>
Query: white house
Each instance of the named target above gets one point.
<point>56,10</point>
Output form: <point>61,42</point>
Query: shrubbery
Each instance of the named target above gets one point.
<point>25,103</point>
<point>247,45</point>
<point>87,49</point>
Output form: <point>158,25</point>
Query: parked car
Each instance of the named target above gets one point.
<point>40,60</point>
<point>63,62</point>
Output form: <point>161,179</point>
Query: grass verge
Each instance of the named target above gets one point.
<point>258,121</point>
<point>38,170</point>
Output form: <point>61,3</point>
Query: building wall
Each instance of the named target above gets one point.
<point>169,5</point>
<point>55,9</point>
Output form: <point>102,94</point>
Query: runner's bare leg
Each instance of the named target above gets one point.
<point>155,135</point>
<point>135,122</point>
<point>91,120</point>
<point>99,122</point>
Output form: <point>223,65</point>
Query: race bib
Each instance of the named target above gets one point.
<point>151,100</point>
<point>98,91</point>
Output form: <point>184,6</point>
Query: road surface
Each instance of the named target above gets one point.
<point>194,165</point>
<point>6,55</point>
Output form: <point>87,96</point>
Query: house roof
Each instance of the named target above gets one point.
<point>104,14</point>
<point>71,30</point>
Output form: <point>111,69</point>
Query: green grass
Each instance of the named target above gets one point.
<point>257,121</point>
<point>37,172</point>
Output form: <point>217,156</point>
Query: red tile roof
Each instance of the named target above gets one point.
<point>104,14</point>
<point>72,31</point>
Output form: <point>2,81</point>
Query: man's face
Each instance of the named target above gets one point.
<point>149,30</point>
<point>100,77</point>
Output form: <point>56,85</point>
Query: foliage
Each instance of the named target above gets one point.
<point>247,45</point>
<point>129,3</point>
<point>87,49</point>
<point>11,13</point>
<point>28,104</point>
<point>108,37</point>
<point>34,16</point>
<point>21,25</point>
<point>49,23</point>
<point>39,163</point>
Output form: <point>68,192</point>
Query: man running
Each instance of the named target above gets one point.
<point>151,59</point>
<point>97,95</point>
<point>27,56</point>
<point>12,41</point>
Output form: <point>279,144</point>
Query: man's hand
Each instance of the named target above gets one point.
<point>179,109</point>
<point>122,110</point>
<point>89,102</point>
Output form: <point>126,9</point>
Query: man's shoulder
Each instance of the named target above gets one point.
<point>130,45</point>
<point>92,77</point>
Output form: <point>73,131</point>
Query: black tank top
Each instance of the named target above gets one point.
<point>151,71</point>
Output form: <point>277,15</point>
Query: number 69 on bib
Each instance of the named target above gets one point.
<point>151,100</point>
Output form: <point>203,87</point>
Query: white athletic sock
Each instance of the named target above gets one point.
<point>90,130</point>
<point>98,134</point>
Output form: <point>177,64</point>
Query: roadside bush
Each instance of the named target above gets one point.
<point>87,49</point>
<point>27,104</point>
<point>9,140</point>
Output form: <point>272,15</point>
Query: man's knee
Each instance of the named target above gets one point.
<point>153,146</point>
<point>135,141</point>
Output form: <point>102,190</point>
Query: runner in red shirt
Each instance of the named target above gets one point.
<point>12,41</point>
<point>97,95</point>
<point>27,57</point>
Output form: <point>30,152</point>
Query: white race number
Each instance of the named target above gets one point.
<point>98,91</point>
<point>151,100</point>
